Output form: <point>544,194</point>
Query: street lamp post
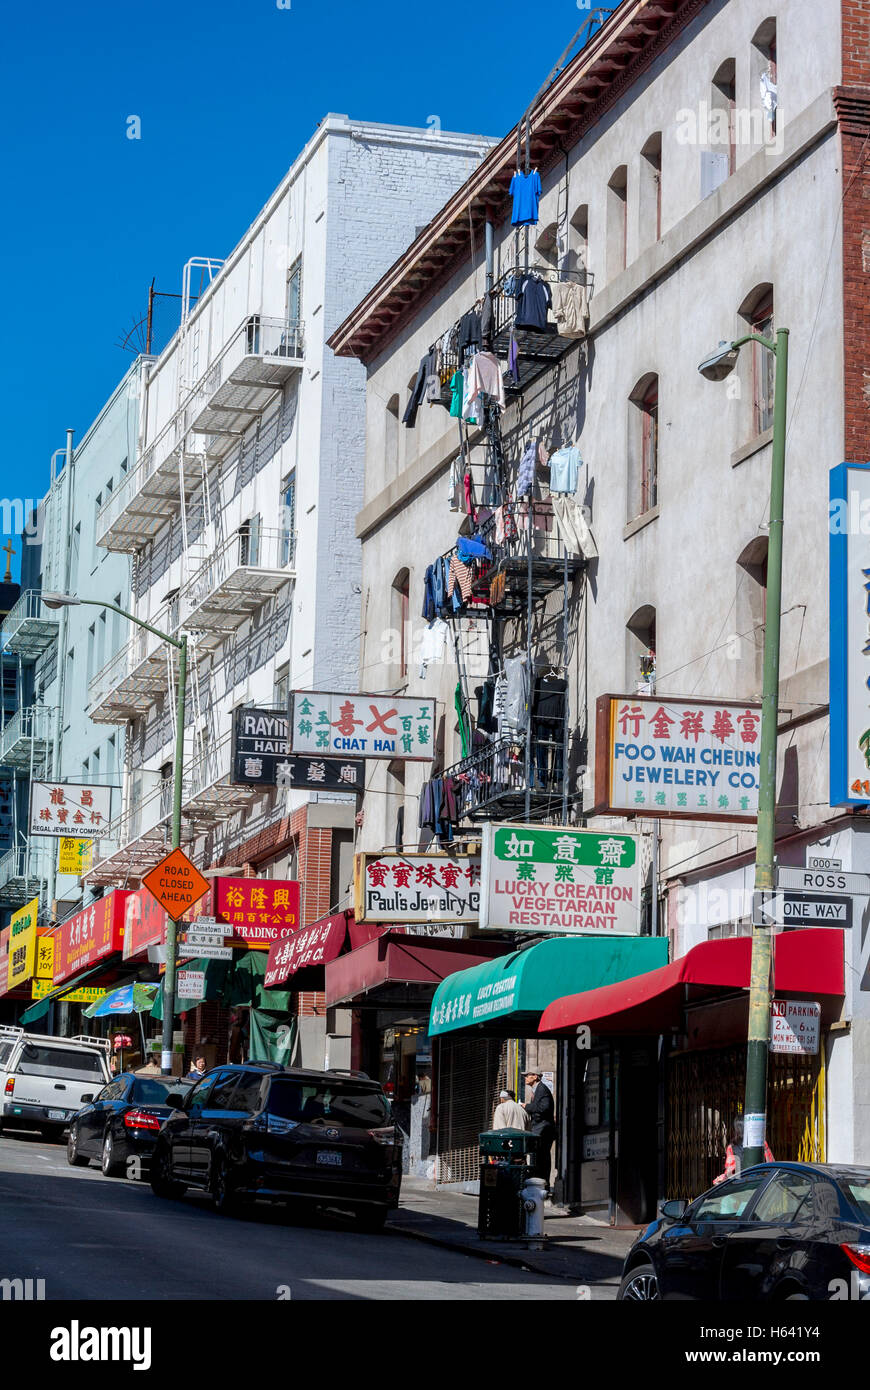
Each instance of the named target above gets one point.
<point>715,368</point>
<point>53,600</point>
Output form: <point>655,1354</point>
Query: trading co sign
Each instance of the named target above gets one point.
<point>575,882</point>
<point>368,726</point>
<point>849,681</point>
<point>655,756</point>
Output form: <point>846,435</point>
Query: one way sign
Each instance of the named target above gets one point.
<point>774,908</point>
<point>767,908</point>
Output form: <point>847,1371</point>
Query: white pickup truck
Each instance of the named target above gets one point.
<point>44,1080</point>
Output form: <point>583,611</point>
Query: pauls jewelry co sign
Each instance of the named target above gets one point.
<point>416,888</point>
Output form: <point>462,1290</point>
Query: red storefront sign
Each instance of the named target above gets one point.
<point>93,933</point>
<point>314,945</point>
<point>256,910</point>
<point>144,923</point>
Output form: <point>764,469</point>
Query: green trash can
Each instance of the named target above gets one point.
<point>504,1167</point>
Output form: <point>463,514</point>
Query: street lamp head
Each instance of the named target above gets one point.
<point>720,363</point>
<point>52,600</point>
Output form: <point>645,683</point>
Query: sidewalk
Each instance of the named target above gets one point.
<point>578,1248</point>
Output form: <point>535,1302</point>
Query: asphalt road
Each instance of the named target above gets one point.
<point>91,1237</point>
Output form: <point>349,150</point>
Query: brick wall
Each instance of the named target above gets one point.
<point>852,101</point>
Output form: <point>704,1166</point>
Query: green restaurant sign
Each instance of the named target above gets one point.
<point>559,879</point>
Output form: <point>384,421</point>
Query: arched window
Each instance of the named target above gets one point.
<point>547,245</point>
<point>751,615</point>
<point>762,76</point>
<point>759,373</point>
<point>391,438</point>
<point>617,221</point>
<point>650,191</point>
<point>400,620</point>
<point>640,650</point>
<point>723,98</point>
<point>578,239</point>
<point>643,446</point>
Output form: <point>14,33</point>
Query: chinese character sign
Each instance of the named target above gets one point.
<point>259,746</point>
<point>87,994</point>
<point>70,809</point>
<point>362,726</point>
<point>22,944</point>
<point>417,888</point>
<point>558,879</point>
<point>258,910</point>
<point>661,757</point>
<point>144,923</point>
<point>314,945</point>
<point>88,936</point>
<point>74,856</point>
<point>849,679</point>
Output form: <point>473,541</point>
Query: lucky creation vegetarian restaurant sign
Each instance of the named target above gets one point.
<point>574,882</point>
<point>90,935</point>
<point>656,756</point>
<point>416,888</point>
<point>368,726</point>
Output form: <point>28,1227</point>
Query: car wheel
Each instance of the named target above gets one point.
<point>73,1157</point>
<point>372,1218</point>
<point>796,1298</point>
<point>108,1162</point>
<point>225,1199</point>
<point>640,1285</point>
<point>162,1185</point>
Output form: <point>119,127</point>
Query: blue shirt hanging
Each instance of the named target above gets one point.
<point>525,190</point>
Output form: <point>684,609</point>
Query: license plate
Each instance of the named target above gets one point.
<point>57,1114</point>
<point>331,1156</point>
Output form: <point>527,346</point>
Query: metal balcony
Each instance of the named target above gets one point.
<point>258,360</point>
<point>151,492</point>
<point>130,682</point>
<point>501,584</point>
<point>23,875</point>
<point>27,739</point>
<point>30,627</point>
<point>208,797</point>
<point>235,580</point>
<point>134,842</point>
<point>490,784</point>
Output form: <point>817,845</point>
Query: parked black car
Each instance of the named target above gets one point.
<point>264,1131</point>
<point>779,1231</point>
<point>124,1118</point>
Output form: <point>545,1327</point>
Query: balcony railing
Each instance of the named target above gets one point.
<point>23,874</point>
<point>27,738</point>
<point>236,579</point>
<point>130,682</point>
<point>30,627</point>
<point>256,362</point>
<point>491,782</point>
<point>151,491</point>
<point>207,794</point>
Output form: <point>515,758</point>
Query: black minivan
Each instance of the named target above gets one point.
<point>260,1130</point>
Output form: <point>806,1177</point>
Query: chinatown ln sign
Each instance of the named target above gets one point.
<point>416,888</point>
<point>849,651</point>
<point>574,882</point>
<point>87,937</point>
<point>655,756</point>
<point>365,726</point>
<point>70,808</point>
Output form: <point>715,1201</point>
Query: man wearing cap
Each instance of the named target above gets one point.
<point>542,1114</point>
<point>509,1114</point>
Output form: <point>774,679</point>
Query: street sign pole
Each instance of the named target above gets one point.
<point>171,924</point>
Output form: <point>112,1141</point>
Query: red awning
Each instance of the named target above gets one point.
<point>807,963</point>
<point>310,946</point>
<point>398,958</point>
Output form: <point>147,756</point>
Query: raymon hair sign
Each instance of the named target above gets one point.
<point>849,531</point>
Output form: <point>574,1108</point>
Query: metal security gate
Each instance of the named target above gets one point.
<point>705,1094</point>
<point>470,1074</point>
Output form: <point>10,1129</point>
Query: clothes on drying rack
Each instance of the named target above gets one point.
<point>469,332</point>
<point>548,701</point>
<point>565,465</point>
<point>484,375</point>
<point>570,308</point>
<point>486,719</point>
<point>533,305</point>
<point>487,320</point>
<point>459,575</point>
<point>432,645</point>
<point>471,548</point>
<point>573,527</point>
<point>457,392</point>
<point>525,190</point>
<point>515,716</point>
<point>438,807</point>
<point>534,454</point>
<point>427,373</point>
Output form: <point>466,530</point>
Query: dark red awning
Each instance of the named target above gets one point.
<point>807,963</point>
<point>398,958</point>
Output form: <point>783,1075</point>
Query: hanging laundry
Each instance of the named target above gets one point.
<point>469,332</point>
<point>469,499</point>
<point>427,370</point>
<point>573,527</point>
<point>570,308</point>
<point>457,388</point>
<point>458,575</point>
<point>487,320</point>
<point>525,190</point>
<point>533,305</point>
<point>432,645</point>
<point>470,548</point>
<point>768,96</point>
<point>515,716</point>
<point>454,484</point>
<point>513,357</point>
<point>484,374</point>
<point>463,718</point>
<point>565,465</point>
<point>535,454</point>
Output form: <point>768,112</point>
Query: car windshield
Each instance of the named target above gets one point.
<point>858,1191</point>
<point>5,1050</point>
<point>151,1090</point>
<point>338,1103</point>
<point>66,1062</point>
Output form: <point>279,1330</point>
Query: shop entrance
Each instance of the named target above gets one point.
<point>705,1094</point>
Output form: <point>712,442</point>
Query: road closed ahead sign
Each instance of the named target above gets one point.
<point>176,884</point>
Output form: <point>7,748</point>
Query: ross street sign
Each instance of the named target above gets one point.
<point>823,881</point>
<point>794,1026</point>
<point>176,883</point>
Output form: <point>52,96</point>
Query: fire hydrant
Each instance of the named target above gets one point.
<point>532,1197</point>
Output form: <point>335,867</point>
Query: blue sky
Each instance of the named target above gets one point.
<point>227,94</point>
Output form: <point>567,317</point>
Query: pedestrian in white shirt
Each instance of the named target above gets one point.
<point>508,1114</point>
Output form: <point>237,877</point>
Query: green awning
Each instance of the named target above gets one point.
<point>507,996</point>
<point>41,1006</point>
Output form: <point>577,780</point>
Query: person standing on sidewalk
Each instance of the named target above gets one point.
<point>542,1115</point>
<point>509,1114</point>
